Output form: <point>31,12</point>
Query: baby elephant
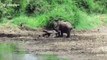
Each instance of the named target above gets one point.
<point>48,33</point>
<point>62,27</point>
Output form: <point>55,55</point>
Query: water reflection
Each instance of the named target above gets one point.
<point>24,57</point>
<point>29,57</point>
<point>36,57</point>
<point>12,52</point>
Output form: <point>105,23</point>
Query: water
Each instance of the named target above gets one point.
<point>9,52</point>
<point>29,57</point>
<point>24,57</point>
<point>34,57</point>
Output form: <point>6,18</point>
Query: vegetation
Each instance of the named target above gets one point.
<point>82,14</point>
<point>7,50</point>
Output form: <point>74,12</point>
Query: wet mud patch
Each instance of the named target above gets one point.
<point>9,35</point>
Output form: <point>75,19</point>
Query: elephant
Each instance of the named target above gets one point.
<point>62,27</point>
<point>48,33</point>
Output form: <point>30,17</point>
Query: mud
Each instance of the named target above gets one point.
<point>81,46</point>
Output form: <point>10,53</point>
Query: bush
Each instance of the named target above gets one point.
<point>34,13</point>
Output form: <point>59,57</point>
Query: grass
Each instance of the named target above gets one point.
<point>80,19</point>
<point>80,13</point>
<point>86,22</point>
<point>31,22</point>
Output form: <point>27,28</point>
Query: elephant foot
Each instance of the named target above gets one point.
<point>61,36</point>
<point>68,37</point>
<point>57,36</point>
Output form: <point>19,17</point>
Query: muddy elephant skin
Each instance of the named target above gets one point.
<point>49,33</point>
<point>62,27</point>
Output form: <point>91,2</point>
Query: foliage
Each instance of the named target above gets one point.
<point>37,13</point>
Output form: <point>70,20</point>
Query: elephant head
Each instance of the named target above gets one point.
<point>62,27</point>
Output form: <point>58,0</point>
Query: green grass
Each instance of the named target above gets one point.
<point>32,22</point>
<point>79,19</point>
<point>86,22</point>
<point>81,13</point>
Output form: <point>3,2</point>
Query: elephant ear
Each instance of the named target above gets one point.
<point>55,25</point>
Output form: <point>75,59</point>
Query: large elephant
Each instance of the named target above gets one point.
<point>62,27</point>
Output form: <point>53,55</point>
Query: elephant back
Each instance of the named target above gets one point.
<point>64,24</point>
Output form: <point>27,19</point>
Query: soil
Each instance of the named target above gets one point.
<point>85,45</point>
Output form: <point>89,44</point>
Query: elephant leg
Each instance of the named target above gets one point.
<point>58,34</point>
<point>61,34</point>
<point>68,34</point>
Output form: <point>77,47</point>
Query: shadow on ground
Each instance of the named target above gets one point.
<point>9,35</point>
